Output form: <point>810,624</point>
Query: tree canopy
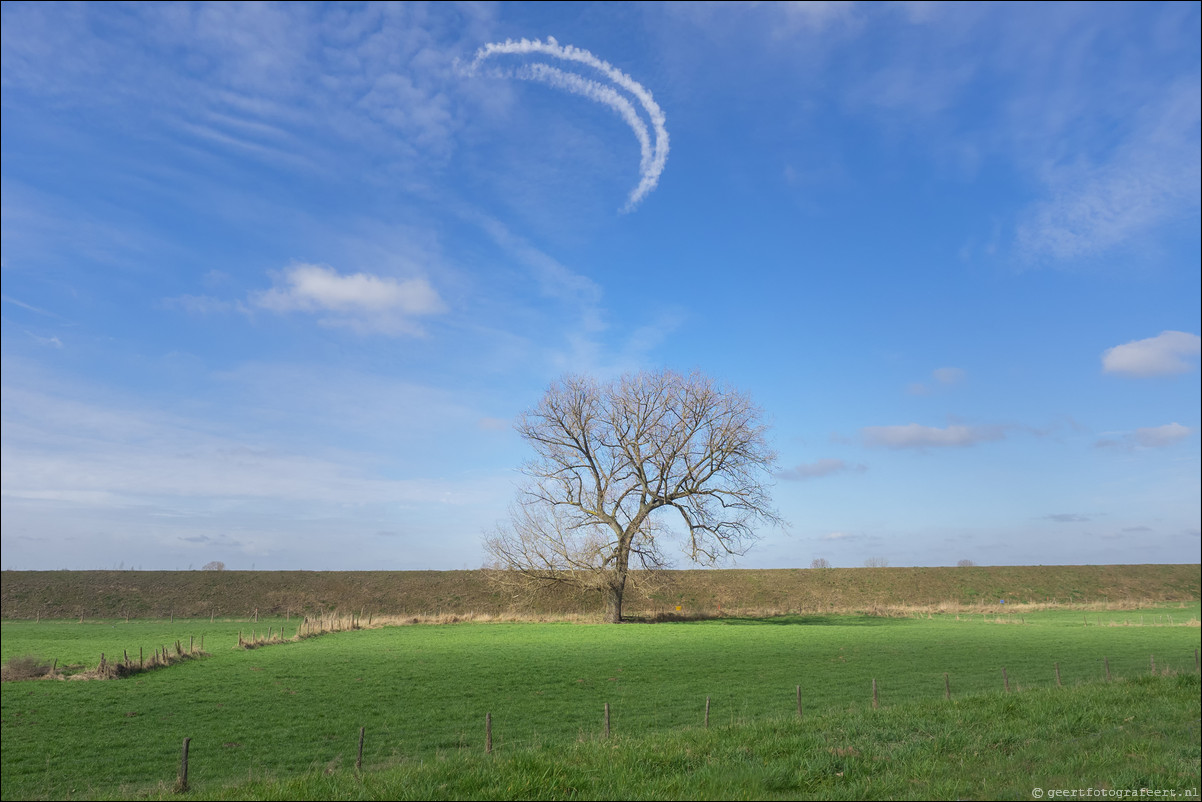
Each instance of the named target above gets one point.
<point>609,457</point>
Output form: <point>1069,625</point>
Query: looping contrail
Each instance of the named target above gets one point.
<point>653,156</point>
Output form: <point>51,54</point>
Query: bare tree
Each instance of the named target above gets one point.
<point>820,563</point>
<point>966,563</point>
<point>215,565</point>
<point>608,457</point>
<point>876,562</point>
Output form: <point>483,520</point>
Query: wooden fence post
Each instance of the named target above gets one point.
<point>707,712</point>
<point>799,702</point>
<point>181,784</point>
<point>875,701</point>
<point>947,687</point>
<point>1058,675</point>
<point>488,733</point>
<point>607,720</point>
<point>359,759</point>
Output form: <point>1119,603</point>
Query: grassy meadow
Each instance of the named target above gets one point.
<point>987,746</point>
<point>269,722</point>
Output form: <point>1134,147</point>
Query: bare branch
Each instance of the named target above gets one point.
<point>607,457</point>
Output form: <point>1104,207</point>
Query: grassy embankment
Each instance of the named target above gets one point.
<point>238,594</point>
<point>294,711</point>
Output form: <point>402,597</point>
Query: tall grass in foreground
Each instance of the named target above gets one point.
<point>1139,733</point>
<point>422,692</point>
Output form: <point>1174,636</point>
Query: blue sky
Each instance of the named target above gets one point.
<point>278,278</point>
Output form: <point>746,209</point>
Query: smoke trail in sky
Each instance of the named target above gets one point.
<point>653,155</point>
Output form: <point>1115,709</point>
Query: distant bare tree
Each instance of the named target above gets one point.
<point>216,565</point>
<point>966,563</point>
<point>608,456</point>
<point>820,563</point>
<point>876,562</point>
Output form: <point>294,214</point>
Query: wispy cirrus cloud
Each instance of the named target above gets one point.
<point>1165,354</point>
<point>1150,178</point>
<point>361,301</point>
<point>27,307</point>
<point>654,154</point>
<point>277,84</point>
<point>914,435</point>
<point>944,377</point>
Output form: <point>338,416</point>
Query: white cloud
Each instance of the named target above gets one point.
<point>654,155</point>
<point>838,536</point>
<point>914,435</point>
<point>1149,437</point>
<point>813,470</point>
<point>1167,353</point>
<point>1160,436</point>
<point>361,301</point>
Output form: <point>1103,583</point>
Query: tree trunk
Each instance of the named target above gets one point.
<point>614,590</point>
<point>613,603</point>
<point>617,580</point>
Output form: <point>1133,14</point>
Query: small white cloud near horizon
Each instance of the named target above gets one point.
<point>838,536</point>
<point>654,155</point>
<point>1149,437</point>
<point>1167,353</point>
<point>813,470</point>
<point>914,435</point>
<point>360,301</point>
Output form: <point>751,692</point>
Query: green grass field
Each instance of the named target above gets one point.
<point>1138,735</point>
<point>294,710</point>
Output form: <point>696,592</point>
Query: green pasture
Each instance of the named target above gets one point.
<point>423,691</point>
<point>1137,734</point>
